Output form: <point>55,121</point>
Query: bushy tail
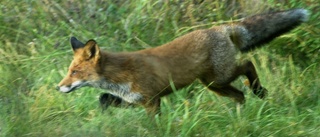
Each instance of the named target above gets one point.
<point>254,31</point>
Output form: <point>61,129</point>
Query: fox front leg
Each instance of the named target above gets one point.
<point>107,100</point>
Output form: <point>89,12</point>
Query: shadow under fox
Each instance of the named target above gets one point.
<point>143,77</point>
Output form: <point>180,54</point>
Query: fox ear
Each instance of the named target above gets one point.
<point>76,44</point>
<point>91,50</point>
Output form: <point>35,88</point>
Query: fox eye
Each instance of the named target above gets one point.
<point>73,72</point>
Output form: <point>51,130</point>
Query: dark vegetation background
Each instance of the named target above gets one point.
<point>35,54</point>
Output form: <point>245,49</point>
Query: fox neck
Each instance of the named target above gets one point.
<point>116,76</point>
<point>117,67</point>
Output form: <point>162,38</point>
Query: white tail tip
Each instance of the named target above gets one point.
<point>303,13</point>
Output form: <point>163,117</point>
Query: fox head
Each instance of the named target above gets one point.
<point>84,69</point>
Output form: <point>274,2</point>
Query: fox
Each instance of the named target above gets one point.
<point>209,55</point>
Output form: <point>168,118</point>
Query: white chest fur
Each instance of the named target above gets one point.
<point>122,90</point>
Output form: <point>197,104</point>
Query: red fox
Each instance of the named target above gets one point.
<point>143,77</point>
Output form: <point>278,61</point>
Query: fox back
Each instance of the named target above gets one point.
<point>143,77</point>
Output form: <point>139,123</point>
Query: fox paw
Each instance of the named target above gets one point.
<point>261,92</point>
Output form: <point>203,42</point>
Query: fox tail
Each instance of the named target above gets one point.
<point>254,31</point>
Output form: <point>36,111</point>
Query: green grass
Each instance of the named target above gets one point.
<point>35,54</point>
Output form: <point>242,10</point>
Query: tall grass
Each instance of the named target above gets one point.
<point>35,54</point>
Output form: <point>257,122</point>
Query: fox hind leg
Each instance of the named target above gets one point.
<point>221,83</point>
<point>229,91</point>
<point>252,75</point>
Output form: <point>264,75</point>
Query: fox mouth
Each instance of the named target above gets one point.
<point>72,87</point>
<point>66,89</point>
